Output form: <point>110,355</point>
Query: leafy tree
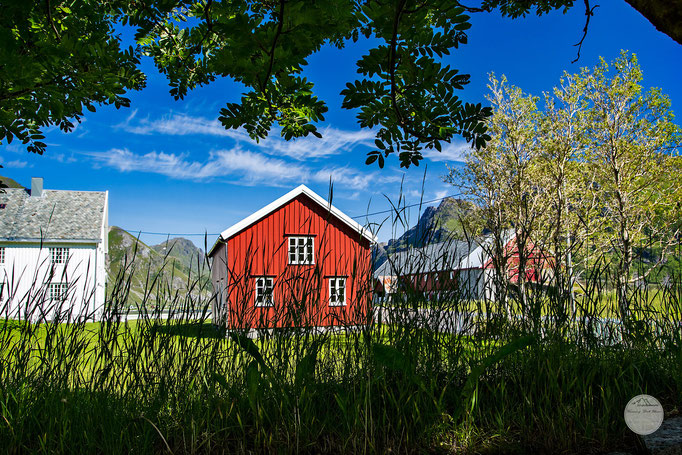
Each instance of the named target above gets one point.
<point>57,59</point>
<point>69,58</point>
<point>632,143</point>
<point>598,166</point>
<point>481,182</point>
<point>514,129</point>
<point>502,179</point>
<point>405,90</point>
<point>563,178</point>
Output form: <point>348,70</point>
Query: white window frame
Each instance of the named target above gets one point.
<point>59,254</point>
<point>3,252</point>
<point>301,250</point>
<point>336,283</point>
<point>264,288</point>
<point>59,291</point>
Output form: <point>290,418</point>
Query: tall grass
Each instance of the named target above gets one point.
<point>428,371</point>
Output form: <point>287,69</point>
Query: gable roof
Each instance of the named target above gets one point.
<point>435,257</point>
<point>291,195</point>
<point>55,215</point>
<point>441,257</point>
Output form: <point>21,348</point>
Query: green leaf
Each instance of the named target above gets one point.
<point>248,346</point>
<point>473,377</point>
<point>253,383</point>
<point>389,357</point>
<point>220,379</point>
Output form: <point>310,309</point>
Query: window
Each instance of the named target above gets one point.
<point>301,250</point>
<point>337,291</point>
<point>59,255</point>
<point>58,291</point>
<point>2,254</point>
<point>264,287</point>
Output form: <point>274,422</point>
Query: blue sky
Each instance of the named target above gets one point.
<point>170,167</point>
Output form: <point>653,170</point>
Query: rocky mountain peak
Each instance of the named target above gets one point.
<point>436,224</point>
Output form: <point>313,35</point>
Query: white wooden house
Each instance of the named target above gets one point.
<point>53,251</point>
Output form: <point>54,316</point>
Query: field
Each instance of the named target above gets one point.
<point>539,378</point>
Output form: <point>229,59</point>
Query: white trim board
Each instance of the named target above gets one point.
<point>301,189</point>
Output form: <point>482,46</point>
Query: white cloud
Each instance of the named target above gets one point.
<point>62,158</point>
<point>255,168</point>
<point>442,194</point>
<point>16,164</point>
<point>237,165</point>
<point>415,194</point>
<point>333,141</point>
<point>345,177</point>
<point>455,151</point>
<point>178,125</point>
<point>14,147</point>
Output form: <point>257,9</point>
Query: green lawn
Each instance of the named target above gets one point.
<point>149,386</point>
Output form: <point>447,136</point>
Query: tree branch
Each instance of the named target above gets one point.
<point>391,60</point>
<point>589,12</point>
<point>665,15</point>
<point>280,25</point>
<point>49,19</point>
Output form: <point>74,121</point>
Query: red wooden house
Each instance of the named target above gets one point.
<point>297,262</point>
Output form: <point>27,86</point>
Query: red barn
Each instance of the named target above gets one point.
<point>297,262</point>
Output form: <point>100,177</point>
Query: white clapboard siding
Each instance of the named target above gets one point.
<point>28,271</point>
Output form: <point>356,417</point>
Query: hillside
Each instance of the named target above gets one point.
<point>436,224</point>
<point>6,182</point>
<point>172,266</point>
<point>183,250</point>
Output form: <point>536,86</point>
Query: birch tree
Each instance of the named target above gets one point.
<point>598,166</point>
<point>562,138</point>
<point>502,180</point>
<point>632,141</point>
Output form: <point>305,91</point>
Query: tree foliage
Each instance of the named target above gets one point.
<point>405,89</point>
<point>56,60</point>
<point>60,57</point>
<point>597,169</point>
<point>632,141</point>
<point>501,180</point>
<point>66,56</point>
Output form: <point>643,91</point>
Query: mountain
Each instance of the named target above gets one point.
<point>436,224</point>
<point>176,266</point>
<point>183,250</point>
<point>6,182</point>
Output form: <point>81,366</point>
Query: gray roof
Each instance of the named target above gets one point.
<point>436,257</point>
<point>55,215</point>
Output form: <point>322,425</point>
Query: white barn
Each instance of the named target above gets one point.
<point>53,252</point>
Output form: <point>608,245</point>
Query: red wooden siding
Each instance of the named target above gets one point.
<point>538,261</point>
<point>301,292</point>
